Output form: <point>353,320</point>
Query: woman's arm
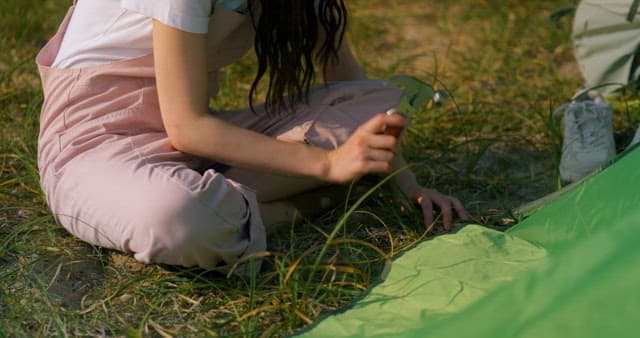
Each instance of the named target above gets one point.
<point>348,69</point>
<point>181,63</point>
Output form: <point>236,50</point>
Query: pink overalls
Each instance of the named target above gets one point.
<point>112,178</point>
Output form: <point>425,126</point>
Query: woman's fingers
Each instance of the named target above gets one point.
<point>376,124</point>
<point>427,209</point>
<point>373,154</point>
<point>382,141</point>
<point>463,214</point>
<point>368,150</point>
<point>396,121</point>
<point>447,204</point>
<point>444,202</point>
<point>374,135</point>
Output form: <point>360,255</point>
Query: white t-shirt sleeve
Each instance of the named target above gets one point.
<point>187,15</point>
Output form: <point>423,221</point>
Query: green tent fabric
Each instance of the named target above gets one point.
<point>571,268</point>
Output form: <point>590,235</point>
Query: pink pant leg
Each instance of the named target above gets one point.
<point>149,202</point>
<point>333,112</point>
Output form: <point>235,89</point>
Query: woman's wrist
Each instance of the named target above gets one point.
<point>405,184</point>
<point>323,167</point>
<point>405,180</point>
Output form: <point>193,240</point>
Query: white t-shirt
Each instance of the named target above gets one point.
<point>105,31</point>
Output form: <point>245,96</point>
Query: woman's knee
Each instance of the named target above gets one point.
<point>186,232</point>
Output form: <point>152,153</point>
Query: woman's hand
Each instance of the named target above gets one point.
<point>428,198</point>
<point>368,150</point>
<point>409,191</point>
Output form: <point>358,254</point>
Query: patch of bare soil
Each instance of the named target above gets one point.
<point>413,40</point>
<point>421,40</point>
<point>70,278</point>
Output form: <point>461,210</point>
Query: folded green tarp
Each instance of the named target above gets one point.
<point>571,268</point>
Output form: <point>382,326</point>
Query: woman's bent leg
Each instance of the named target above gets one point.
<point>157,207</point>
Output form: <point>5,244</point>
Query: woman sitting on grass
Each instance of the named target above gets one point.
<point>132,158</point>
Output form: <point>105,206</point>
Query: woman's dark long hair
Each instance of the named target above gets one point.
<point>287,32</point>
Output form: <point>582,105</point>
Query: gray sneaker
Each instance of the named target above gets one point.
<point>588,136</point>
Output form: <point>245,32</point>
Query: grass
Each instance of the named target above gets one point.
<point>492,144</point>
